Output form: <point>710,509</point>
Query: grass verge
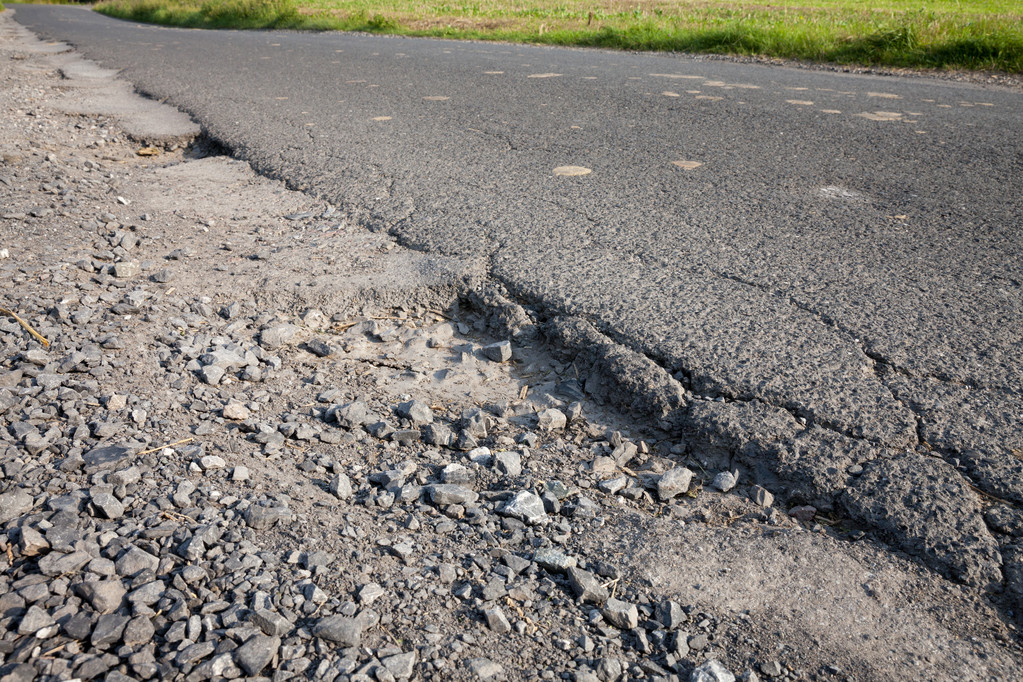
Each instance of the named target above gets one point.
<point>960,34</point>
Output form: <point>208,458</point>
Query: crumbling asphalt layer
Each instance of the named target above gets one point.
<point>836,289</point>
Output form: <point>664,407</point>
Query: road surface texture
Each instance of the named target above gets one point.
<point>816,275</point>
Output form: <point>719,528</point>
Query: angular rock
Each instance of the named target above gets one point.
<point>341,630</point>
<point>418,412</point>
<point>341,487</point>
<point>673,483</point>
<point>497,621</point>
<point>586,586</point>
<point>551,420</point>
<point>108,506</point>
<point>498,352</point>
<point>272,624</point>
<point>14,503</point>
<point>526,507</point>
<point>104,595</point>
<point>402,666</point>
<point>108,629</point>
<point>711,671</point>
<point>622,615</point>
<point>451,494</point>
<point>57,564</point>
<point>554,560</point>
<point>724,481</point>
<point>256,653</point>
<point>508,463</point>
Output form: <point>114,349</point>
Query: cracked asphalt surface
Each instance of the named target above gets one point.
<point>837,257</point>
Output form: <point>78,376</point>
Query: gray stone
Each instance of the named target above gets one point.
<point>256,653</point>
<point>444,494</point>
<point>551,420</point>
<point>194,653</point>
<point>339,629</point>
<point>484,668</point>
<point>586,586</point>
<point>341,487</point>
<point>673,483</point>
<point>771,668</point>
<point>108,506</point>
<point>670,615</point>
<point>139,631</point>
<point>554,560</point>
<point>261,518</point>
<point>34,620</point>
<point>402,666</point>
<point>58,564</point>
<point>353,414</point>
<point>438,434</point>
<point>761,496</point>
<point>419,413</point>
<point>106,457</point>
<point>724,481</point>
<point>271,623</point>
<point>147,594</point>
<point>211,374</point>
<point>924,505</point>
<point>108,629</point>
<point>457,474</point>
<point>526,507</point>
<point>134,561</point>
<point>711,671</point>
<point>498,352</point>
<point>104,595</point>
<point>508,463</point>
<point>14,503</point>
<point>622,615</point>
<point>32,542</point>
<point>275,337</point>
<point>497,621</point>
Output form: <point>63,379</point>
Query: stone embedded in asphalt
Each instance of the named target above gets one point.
<point>256,653</point>
<point>673,483</point>
<point>339,629</point>
<point>587,588</point>
<point>621,614</point>
<point>497,621</point>
<point>498,352</point>
<point>711,671</point>
<point>526,507</point>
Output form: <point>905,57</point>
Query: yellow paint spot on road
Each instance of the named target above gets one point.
<point>801,102</point>
<point>382,118</point>
<point>708,97</point>
<point>881,116</point>
<point>714,84</point>
<point>280,98</point>
<point>571,171</point>
<point>945,106</point>
<point>797,88</point>
<point>884,95</point>
<point>493,73</point>
<point>693,92</point>
<point>688,165</point>
<point>576,127</point>
<point>669,93</point>
<point>984,104</point>
<point>436,98</point>
<point>543,75</point>
<point>830,111</point>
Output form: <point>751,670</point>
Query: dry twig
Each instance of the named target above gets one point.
<point>168,445</point>
<point>39,337</point>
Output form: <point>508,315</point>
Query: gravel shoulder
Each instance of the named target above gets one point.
<point>266,442</point>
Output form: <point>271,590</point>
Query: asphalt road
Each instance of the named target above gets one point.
<point>847,249</point>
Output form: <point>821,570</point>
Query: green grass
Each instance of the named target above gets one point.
<point>963,34</point>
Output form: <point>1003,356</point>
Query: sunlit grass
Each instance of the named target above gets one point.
<point>971,34</point>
